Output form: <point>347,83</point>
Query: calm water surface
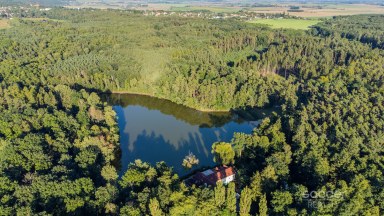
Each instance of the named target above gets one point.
<point>156,130</point>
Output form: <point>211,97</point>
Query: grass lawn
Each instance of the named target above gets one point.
<point>287,23</point>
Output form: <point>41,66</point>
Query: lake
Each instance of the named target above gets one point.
<point>156,130</point>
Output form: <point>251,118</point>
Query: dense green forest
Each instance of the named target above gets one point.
<point>59,144</point>
<point>372,32</point>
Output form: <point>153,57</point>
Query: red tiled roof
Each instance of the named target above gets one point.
<point>217,174</point>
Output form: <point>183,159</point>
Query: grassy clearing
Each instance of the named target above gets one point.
<point>287,23</point>
<point>152,61</point>
<point>4,24</point>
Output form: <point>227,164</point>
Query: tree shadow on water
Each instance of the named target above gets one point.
<point>153,148</point>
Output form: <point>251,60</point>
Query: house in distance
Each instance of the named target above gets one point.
<point>224,174</point>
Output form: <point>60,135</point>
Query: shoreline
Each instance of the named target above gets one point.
<point>153,96</point>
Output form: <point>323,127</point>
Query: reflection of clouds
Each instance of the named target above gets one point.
<point>153,136</point>
<point>200,147</point>
<point>173,131</point>
<point>217,133</point>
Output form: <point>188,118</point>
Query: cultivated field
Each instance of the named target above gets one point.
<point>323,10</point>
<point>287,23</point>
<point>208,8</point>
<point>309,10</point>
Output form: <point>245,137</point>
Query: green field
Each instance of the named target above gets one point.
<point>287,23</point>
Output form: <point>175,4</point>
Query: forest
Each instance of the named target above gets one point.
<point>59,142</point>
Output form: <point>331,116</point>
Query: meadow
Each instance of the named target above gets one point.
<point>287,23</point>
